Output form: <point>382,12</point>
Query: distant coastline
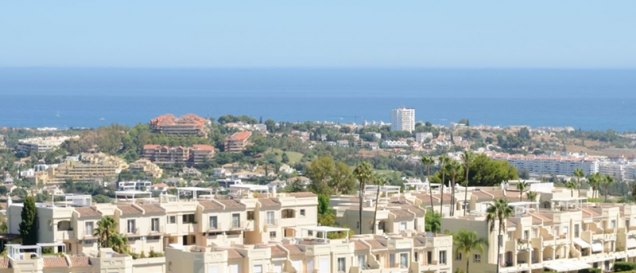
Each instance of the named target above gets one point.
<point>587,99</point>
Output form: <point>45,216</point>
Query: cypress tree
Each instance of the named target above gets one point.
<point>29,225</point>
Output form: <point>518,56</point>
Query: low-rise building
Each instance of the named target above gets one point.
<point>178,155</point>
<point>189,124</point>
<point>88,167</point>
<point>237,142</point>
<point>146,166</point>
<point>40,144</point>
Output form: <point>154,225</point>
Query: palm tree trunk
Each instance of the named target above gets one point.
<point>499,249</point>
<point>375,213</point>
<point>441,195</point>
<point>467,263</point>
<point>361,196</point>
<point>452,202</point>
<point>430,189</point>
<point>466,194</point>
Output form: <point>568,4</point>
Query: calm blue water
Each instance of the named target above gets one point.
<point>588,99</point>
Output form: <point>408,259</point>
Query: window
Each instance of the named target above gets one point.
<point>613,224</point>
<point>172,219</point>
<point>458,256</point>
<point>64,225</point>
<point>429,257</point>
<point>214,222</point>
<point>236,220</point>
<point>154,224</point>
<point>577,230</point>
<point>131,226</point>
<point>417,257</point>
<point>362,261</point>
<point>442,257</point>
<point>526,234</point>
<point>257,268</point>
<point>89,228</point>
<point>477,258</point>
<point>288,213</point>
<point>188,218</point>
<point>270,217</point>
<point>272,234</point>
<point>250,215</point>
<point>392,261</point>
<point>627,223</point>
<point>302,212</point>
<point>402,226</point>
<point>404,260</point>
<point>342,265</point>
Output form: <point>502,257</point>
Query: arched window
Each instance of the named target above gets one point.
<point>64,225</point>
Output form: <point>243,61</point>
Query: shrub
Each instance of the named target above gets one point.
<point>624,266</point>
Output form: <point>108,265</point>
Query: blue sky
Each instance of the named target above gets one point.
<point>325,33</point>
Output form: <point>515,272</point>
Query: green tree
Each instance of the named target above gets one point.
<point>522,186</point>
<point>428,161</point>
<point>363,173</point>
<point>607,181</point>
<point>466,242</point>
<point>498,213</point>
<point>106,228</point>
<point>432,221</point>
<point>571,185</point>
<point>595,180</point>
<point>489,172</point>
<point>329,176</point>
<point>29,224</point>
<point>532,196</point>
<point>578,173</point>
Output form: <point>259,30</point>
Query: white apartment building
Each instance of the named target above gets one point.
<point>403,119</point>
<point>549,164</point>
<point>41,144</point>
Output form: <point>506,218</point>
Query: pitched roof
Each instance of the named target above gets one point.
<point>203,147</point>
<point>54,261</point>
<point>278,252</point>
<point>360,245</point>
<point>240,136</point>
<point>211,206</point>
<point>269,203</point>
<point>294,249</point>
<point>129,210</point>
<point>377,244</point>
<point>401,214</point>
<point>302,194</point>
<point>152,209</point>
<point>80,261</point>
<point>88,212</point>
<point>231,204</point>
<point>234,254</point>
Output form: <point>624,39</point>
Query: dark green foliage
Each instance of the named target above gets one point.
<point>330,177</point>
<point>489,172</point>
<point>624,266</point>
<point>433,222</point>
<point>29,224</point>
<point>591,270</point>
<point>100,198</point>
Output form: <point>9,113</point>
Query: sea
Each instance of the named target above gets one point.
<point>589,99</point>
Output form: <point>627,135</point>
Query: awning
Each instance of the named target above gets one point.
<point>597,247</point>
<point>582,243</point>
<point>566,265</point>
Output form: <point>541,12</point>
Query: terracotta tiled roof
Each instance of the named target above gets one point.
<point>234,254</point>
<point>377,244</point>
<point>152,208</point>
<point>419,241</point>
<point>203,147</point>
<point>80,261</point>
<point>278,252</point>
<point>129,210</point>
<point>401,214</point>
<point>240,136</point>
<point>360,246</point>
<point>231,204</point>
<point>55,262</point>
<point>211,206</point>
<point>294,249</point>
<point>269,203</point>
<point>88,212</point>
<point>151,146</point>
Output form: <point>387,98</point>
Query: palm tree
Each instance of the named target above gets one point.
<point>379,181</point>
<point>363,172</point>
<point>467,158</point>
<point>522,186</point>
<point>607,181</point>
<point>467,242</point>
<point>428,161</point>
<point>572,184</point>
<point>532,196</point>
<point>106,228</point>
<point>442,168</point>
<point>595,181</point>
<point>499,212</point>
<point>119,243</point>
<point>454,171</point>
<point>578,173</point>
